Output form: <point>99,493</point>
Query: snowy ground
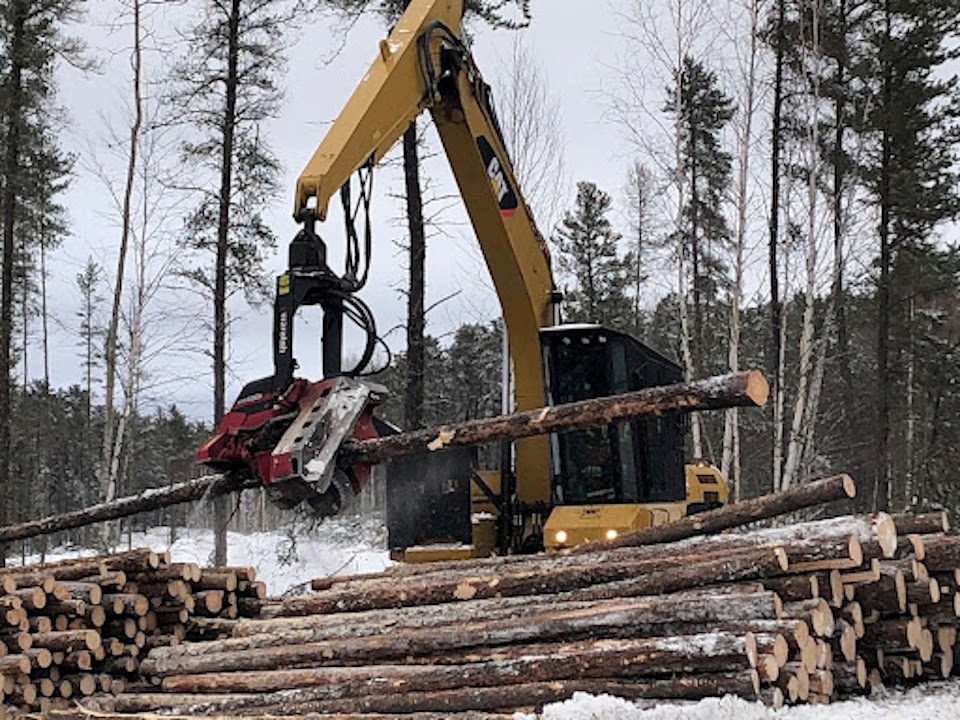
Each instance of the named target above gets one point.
<point>934,701</point>
<point>286,561</point>
<point>348,546</point>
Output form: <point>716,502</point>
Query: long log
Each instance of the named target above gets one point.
<point>704,606</point>
<point>735,390</point>
<point>464,699</point>
<point>151,499</point>
<point>594,581</point>
<point>712,652</point>
<point>738,389</point>
<point>622,619</point>
<point>545,574</point>
<point>840,487</point>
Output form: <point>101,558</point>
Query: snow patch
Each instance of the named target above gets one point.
<point>285,561</point>
<point>931,701</point>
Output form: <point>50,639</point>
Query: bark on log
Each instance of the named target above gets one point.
<point>922,523</point>
<point>315,700</point>
<point>498,615</point>
<point>766,506</point>
<point>615,620</point>
<point>623,619</point>
<point>713,652</point>
<point>738,389</point>
<point>467,699</point>
<point>941,553</point>
<point>591,582</point>
<point>152,499</point>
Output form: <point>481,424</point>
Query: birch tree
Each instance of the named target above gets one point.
<point>113,436</point>
<point>658,38</point>
<point>730,464</point>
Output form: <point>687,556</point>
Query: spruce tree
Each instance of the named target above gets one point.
<point>588,251</point>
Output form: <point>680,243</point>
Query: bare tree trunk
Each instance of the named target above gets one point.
<point>686,350</point>
<point>805,381</point>
<point>25,318</point>
<point>776,311</point>
<point>908,481</point>
<point>881,493</point>
<point>44,313</point>
<point>730,465</point>
<point>112,436</point>
<point>413,393</point>
<point>221,505</point>
<point>14,93</point>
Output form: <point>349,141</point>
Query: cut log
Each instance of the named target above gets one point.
<point>688,687</point>
<point>152,499</point>
<point>503,616</point>
<point>609,620</point>
<point>922,523</point>
<point>735,515</point>
<point>714,652</point>
<point>942,553</point>
<point>68,640</point>
<point>794,587</point>
<point>738,389</point>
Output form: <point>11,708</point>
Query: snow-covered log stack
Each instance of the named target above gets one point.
<point>77,627</point>
<point>805,612</point>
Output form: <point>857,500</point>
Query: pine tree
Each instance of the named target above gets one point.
<point>702,111</point>
<point>89,329</point>
<point>226,89</point>
<point>588,252</point>
<point>30,43</point>
<point>912,175</point>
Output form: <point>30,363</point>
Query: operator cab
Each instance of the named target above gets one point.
<point>632,461</point>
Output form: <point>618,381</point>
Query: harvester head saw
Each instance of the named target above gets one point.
<point>286,431</point>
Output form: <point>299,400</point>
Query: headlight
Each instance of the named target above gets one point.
<point>612,534</point>
<point>561,536</point>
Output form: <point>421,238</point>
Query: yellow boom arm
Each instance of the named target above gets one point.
<point>423,64</point>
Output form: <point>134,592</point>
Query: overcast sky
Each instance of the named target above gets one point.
<point>574,48</point>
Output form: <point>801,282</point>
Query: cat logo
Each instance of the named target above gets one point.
<point>506,197</point>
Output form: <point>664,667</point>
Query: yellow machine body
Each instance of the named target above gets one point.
<point>570,525</point>
<point>408,76</point>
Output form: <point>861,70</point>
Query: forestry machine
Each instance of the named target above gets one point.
<point>552,491</point>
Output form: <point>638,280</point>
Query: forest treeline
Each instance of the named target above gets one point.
<point>790,197</point>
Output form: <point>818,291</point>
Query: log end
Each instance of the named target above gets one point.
<point>919,549</point>
<point>809,654</point>
<point>750,648</point>
<point>849,485</point>
<point>782,560</point>
<point>886,530</point>
<point>757,388</point>
<point>855,549</point>
<point>781,650</point>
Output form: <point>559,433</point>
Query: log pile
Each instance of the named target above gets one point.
<point>74,628</point>
<point>807,612</point>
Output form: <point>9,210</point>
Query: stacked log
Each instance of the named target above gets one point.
<point>804,612</point>
<point>81,626</point>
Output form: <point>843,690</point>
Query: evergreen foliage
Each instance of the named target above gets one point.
<point>588,251</point>
<point>221,96</point>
